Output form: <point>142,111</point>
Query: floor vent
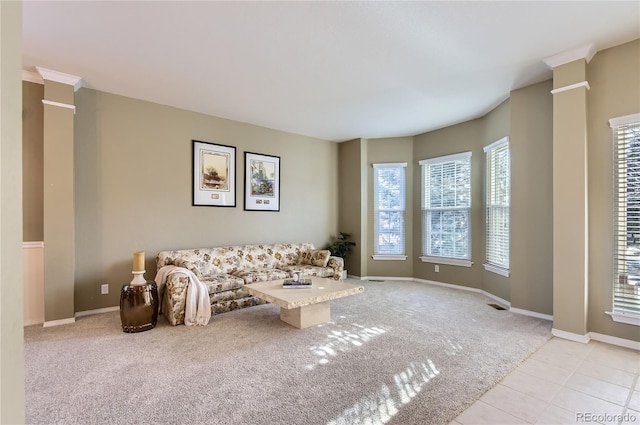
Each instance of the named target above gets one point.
<point>497,307</point>
<point>375,280</point>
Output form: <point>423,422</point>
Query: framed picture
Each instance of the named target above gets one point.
<point>261,182</point>
<point>214,175</point>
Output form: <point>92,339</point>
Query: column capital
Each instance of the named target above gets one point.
<point>586,52</point>
<point>584,84</point>
<point>60,77</point>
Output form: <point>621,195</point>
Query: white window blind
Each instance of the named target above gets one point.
<point>446,202</point>
<point>626,255</point>
<point>498,205</point>
<point>389,208</point>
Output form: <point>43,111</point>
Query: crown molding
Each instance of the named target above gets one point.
<point>586,52</point>
<point>60,77</point>
<point>32,77</point>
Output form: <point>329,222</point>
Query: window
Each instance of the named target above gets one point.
<point>446,202</point>
<point>626,213</point>
<point>498,189</point>
<point>389,211</point>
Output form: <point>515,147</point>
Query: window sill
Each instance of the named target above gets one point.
<point>629,319</point>
<point>448,261</point>
<point>497,270</point>
<point>389,257</point>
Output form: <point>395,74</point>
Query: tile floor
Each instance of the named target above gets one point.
<point>565,382</point>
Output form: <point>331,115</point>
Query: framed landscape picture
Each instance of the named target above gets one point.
<point>261,182</point>
<point>214,174</point>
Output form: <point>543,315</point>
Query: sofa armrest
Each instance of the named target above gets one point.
<point>189,266</point>
<point>174,297</point>
<point>337,264</point>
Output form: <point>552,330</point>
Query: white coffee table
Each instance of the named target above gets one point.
<point>303,307</point>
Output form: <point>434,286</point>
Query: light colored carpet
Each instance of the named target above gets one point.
<point>399,353</point>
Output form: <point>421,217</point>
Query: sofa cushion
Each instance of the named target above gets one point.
<point>288,254</point>
<point>218,307</point>
<point>222,260</point>
<point>260,275</point>
<point>314,257</point>
<point>221,282</point>
<point>320,257</point>
<point>308,270</point>
<point>305,257</point>
<point>233,294</point>
<point>254,257</point>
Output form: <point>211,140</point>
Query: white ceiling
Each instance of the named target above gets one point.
<point>332,70</point>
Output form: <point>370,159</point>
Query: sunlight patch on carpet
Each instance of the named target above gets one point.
<point>340,341</point>
<point>453,348</point>
<point>381,406</point>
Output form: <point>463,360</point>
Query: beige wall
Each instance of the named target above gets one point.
<point>32,161</point>
<point>496,126</point>
<point>468,136</point>
<point>531,145</point>
<point>395,149</point>
<point>11,329</point>
<point>133,189</point>
<point>614,77</point>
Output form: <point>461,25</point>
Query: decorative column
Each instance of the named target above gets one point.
<point>11,319</point>
<point>59,223</point>
<point>570,193</point>
<point>352,214</point>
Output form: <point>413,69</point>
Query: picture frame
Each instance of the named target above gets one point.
<point>214,174</point>
<point>261,182</point>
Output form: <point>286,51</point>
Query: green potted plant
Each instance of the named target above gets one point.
<point>341,247</point>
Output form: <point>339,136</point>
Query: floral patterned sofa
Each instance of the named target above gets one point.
<point>225,270</point>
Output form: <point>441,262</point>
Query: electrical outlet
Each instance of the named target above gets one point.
<point>437,267</point>
<point>104,288</point>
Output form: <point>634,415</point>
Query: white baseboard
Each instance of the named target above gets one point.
<point>73,319</point>
<point>531,313</point>
<point>571,336</point>
<point>607,339</point>
<point>501,301</point>
<point>78,314</point>
<point>409,279</point>
<point>97,311</point>
<point>504,302</point>
<point>58,322</point>
<point>447,285</point>
<point>614,340</point>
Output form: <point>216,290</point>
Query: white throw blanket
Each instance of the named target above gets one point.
<point>197,307</point>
